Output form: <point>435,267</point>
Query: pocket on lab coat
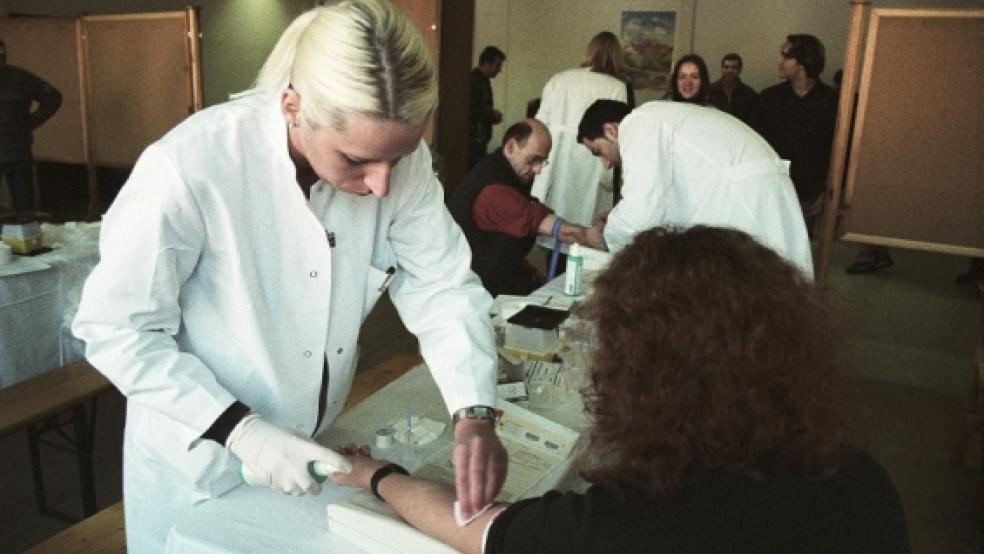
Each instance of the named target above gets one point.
<point>375,279</point>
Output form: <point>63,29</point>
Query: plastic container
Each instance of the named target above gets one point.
<point>575,265</point>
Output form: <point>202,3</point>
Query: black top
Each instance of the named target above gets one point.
<point>498,259</point>
<point>801,129</point>
<point>481,111</point>
<point>19,89</point>
<point>857,511</point>
<point>743,105</point>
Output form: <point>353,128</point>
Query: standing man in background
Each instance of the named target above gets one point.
<point>19,90</point>
<point>798,117</point>
<point>732,96</point>
<point>483,115</point>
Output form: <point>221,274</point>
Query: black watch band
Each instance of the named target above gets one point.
<point>383,472</point>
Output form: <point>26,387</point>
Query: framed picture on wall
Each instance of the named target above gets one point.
<point>653,37</point>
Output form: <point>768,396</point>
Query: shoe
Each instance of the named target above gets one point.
<point>973,275</point>
<point>869,266</point>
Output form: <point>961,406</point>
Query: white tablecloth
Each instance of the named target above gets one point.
<point>256,519</point>
<point>36,308</point>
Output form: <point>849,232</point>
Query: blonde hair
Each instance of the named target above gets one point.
<point>604,55</point>
<point>360,57</point>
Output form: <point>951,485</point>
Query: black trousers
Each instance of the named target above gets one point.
<point>20,180</point>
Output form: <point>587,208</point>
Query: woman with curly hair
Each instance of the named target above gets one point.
<point>716,421</point>
<point>690,81</point>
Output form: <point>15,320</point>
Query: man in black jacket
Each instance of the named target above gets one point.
<point>481,111</point>
<point>19,91</point>
<point>730,95</point>
<point>797,117</point>
<point>500,218</point>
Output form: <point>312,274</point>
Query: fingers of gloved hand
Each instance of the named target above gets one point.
<point>276,457</point>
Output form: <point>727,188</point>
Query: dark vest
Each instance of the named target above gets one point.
<point>497,258</point>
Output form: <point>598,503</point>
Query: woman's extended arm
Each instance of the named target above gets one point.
<point>426,505</point>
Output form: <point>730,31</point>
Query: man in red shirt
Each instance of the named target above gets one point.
<point>500,218</point>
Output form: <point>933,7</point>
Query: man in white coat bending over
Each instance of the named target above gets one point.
<point>241,257</point>
<point>687,165</point>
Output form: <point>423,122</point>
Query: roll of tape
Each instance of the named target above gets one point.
<point>384,437</point>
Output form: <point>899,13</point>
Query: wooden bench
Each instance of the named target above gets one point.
<point>36,404</point>
<point>100,534</point>
<point>104,532</point>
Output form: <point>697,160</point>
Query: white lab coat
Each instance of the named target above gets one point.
<point>216,283</point>
<point>686,165</point>
<point>574,184</point>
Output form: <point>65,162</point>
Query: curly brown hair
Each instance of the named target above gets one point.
<point>715,356</point>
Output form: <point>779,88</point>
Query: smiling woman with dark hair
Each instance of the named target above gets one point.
<point>716,422</point>
<point>690,81</point>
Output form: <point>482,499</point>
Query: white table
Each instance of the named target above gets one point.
<point>257,519</point>
<point>36,308</point>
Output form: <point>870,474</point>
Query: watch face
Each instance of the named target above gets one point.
<point>475,412</point>
<point>481,411</point>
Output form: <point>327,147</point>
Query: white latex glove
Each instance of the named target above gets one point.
<point>278,459</point>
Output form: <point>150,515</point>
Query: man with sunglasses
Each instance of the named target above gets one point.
<point>797,118</point>
<point>499,216</point>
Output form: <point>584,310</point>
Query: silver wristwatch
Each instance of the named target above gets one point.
<point>474,412</point>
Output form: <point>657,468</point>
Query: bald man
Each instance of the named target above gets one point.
<point>500,218</point>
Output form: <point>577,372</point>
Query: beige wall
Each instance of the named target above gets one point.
<point>546,36</point>
<point>237,34</point>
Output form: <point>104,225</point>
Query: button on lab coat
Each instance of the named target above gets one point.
<point>686,165</point>
<point>574,184</point>
<point>217,283</point>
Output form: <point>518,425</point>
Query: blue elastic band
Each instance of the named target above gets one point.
<point>555,253</point>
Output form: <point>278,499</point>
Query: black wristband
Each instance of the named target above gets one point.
<point>383,472</point>
<point>227,421</point>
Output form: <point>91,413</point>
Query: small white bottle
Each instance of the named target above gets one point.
<point>572,278</point>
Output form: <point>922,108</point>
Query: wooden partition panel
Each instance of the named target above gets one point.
<point>453,134</point>
<point>425,15</point>
<point>916,172</point>
<point>140,81</point>
<point>48,48</point>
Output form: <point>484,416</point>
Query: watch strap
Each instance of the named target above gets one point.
<point>383,472</point>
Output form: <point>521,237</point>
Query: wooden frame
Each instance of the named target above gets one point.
<point>934,194</point>
<point>117,87</point>
<point>87,130</point>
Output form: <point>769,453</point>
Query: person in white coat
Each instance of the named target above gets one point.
<point>573,184</point>
<point>241,257</point>
<point>685,165</point>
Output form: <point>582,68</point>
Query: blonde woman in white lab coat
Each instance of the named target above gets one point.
<point>573,184</point>
<point>241,257</point>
